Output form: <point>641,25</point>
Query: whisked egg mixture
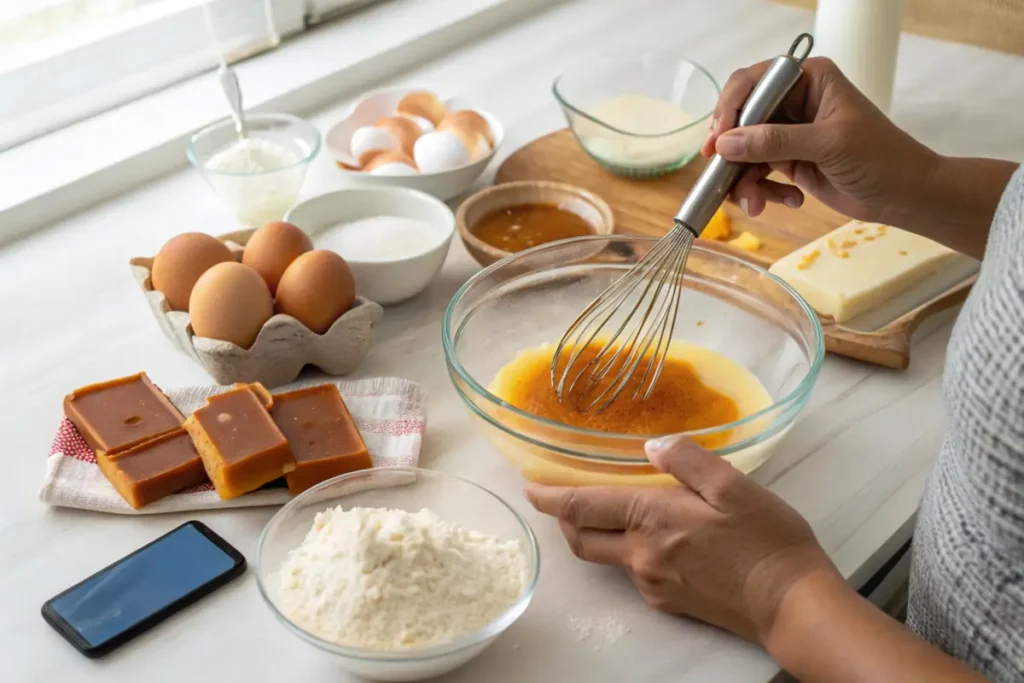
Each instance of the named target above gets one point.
<point>698,389</point>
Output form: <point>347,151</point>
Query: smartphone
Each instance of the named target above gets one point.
<point>142,589</point>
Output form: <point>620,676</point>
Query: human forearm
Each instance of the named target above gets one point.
<point>824,632</point>
<point>957,200</point>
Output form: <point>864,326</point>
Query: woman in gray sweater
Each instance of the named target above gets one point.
<point>729,552</point>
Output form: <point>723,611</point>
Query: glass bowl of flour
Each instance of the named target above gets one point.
<point>638,115</point>
<point>260,175</point>
<point>400,573</point>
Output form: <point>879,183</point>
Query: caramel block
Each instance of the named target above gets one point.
<point>265,397</point>
<point>324,440</point>
<point>154,469</point>
<point>117,415</point>
<point>241,447</point>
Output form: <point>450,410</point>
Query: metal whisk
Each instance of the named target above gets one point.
<point>645,300</point>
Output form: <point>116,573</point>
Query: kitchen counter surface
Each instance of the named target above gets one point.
<point>855,464</point>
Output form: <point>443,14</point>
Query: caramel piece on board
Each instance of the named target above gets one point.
<point>117,415</point>
<point>241,447</point>
<point>154,469</point>
<point>324,440</point>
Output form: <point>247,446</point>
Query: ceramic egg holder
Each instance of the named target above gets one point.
<point>282,348</point>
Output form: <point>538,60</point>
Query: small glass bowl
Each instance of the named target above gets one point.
<point>257,197</point>
<point>530,299</point>
<point>669,139</point>
<point>405,488</point>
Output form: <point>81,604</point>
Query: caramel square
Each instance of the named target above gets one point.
<point>117,415</point>
<point>265,397</point>
<point>241,447</point>
<point>154,469</point>
<point>324,439</point>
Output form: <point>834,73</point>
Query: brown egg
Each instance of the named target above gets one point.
<point>316,289</point>
<point>470,138</point>
<point>424,104</point>
<point>272,248</point>
<point>230,302</point>
<point>405,131</point>
<point>181,261</point>
<point>468,119</point>
<point>382,158</point>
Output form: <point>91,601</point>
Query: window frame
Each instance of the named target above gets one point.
<point>74,168</point>
<point>89,74</point>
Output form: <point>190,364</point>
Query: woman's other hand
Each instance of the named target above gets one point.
<point>719,548</point>
<point>833,143</point>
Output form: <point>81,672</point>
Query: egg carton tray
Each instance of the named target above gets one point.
<point>282,348</point>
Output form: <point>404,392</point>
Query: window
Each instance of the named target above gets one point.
<point>64,60</point>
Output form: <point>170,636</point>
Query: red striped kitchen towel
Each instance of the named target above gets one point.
<point>389,412</point>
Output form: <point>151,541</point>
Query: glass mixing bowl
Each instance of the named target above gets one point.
<point>530,298</point>
<point>645,136</point>
<point>405,488</point>
<point>257,195</point>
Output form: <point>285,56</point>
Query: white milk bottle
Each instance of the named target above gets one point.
<point>862,37</point>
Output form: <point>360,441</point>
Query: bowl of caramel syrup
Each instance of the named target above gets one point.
<point>506,219</point>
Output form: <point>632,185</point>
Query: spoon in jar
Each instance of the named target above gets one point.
<point>233,93</point>
<point>226,75</point>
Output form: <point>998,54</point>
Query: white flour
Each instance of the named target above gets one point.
<point>252,155</point>
<point>260,178</point>
<point>389,579</point>
<point>600,630</point>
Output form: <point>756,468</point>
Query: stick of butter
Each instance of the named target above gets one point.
<point>859,266</point>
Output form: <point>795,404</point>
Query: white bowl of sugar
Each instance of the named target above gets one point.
<point>395,239</point>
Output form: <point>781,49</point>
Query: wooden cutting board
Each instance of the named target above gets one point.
<point>647,207</point>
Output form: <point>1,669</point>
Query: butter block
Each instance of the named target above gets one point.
<point>859,266</point>
<point>747,241</point>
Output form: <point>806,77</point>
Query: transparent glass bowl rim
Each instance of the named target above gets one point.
<point>193,156</point>
<point>426,654</point>
<point>620,58</point>
<point>800,392</point>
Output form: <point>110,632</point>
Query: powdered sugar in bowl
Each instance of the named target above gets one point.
<point>348,553</point>
<point>259,177</point>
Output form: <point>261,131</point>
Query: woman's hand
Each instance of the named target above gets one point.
<point>726,551</point>
<point>834,144</point>
<point>719,548</point>
<point>842,150</point>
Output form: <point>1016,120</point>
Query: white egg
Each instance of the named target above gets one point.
<point>393,168</point>
<point>436,152</point>
<point>425,125</point>
<point>370,139</point>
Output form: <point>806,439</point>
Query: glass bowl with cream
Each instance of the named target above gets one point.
<point>745,355</point>
<point>395,239</point>
<point>638,115</point>
<point>259,176</point>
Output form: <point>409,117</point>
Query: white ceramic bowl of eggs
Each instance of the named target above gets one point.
<point>413,139</point>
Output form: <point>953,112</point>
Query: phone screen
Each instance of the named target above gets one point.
<point>131,595</point>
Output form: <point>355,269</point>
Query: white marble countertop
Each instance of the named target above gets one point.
<point>855,464</point>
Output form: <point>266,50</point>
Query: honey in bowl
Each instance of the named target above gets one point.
<point>698,389</point>
<point>522,226</point>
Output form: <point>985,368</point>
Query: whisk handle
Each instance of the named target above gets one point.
<point>720,175</point>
